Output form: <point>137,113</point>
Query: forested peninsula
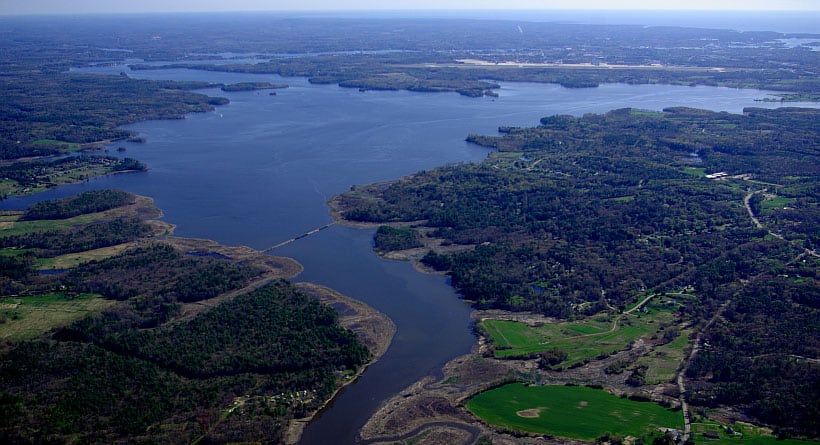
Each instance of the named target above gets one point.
<point>705,222</point>
<point>97,300</point>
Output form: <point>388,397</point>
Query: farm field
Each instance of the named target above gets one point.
<point>575,412</point>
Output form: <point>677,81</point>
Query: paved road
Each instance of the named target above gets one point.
<point>639,305</point>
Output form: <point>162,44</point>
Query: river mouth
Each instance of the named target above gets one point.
<point>260,170</point>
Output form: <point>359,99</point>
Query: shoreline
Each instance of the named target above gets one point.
<point>413,255</point>
<point>374,329</point>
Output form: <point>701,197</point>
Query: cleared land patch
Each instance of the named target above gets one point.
<point>585,339</point>
<point>664,360</point>
<point>28,317</point>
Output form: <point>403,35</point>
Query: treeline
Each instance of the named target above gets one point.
<point>33,173</point>
<point>591,197</point>
<point>770,144</point>
<point>581,229</point>
<point>87,202</point>
<point>392,238</point>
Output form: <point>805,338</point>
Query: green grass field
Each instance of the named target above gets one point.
<point>28,317</point>
<point>694,171</point>
<point>583,339</point>
<point>575,412</point>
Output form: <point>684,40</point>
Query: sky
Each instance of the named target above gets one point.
<point>141,6</point>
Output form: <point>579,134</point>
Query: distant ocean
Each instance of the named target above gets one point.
<point>789,22</point>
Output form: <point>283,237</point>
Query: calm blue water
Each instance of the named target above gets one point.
<point>259,171</point>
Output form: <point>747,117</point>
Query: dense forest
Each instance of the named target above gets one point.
<point>266,355</point>
<point>565,209</point>
<point>579,215</point>
<point>250,363</point>
<point>762,354</point>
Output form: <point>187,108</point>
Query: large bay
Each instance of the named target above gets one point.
<point>259,171</point>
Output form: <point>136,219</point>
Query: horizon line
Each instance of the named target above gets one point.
<point>414,11</point>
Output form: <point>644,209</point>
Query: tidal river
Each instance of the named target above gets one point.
<point>259,171</point>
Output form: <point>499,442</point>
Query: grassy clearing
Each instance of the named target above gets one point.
<point>24,318</point>
<point>664,361</point>
<point>629,198</point>
<point>45,225</point>
<point>635,112</point>
<point>70,260</point>
<point>585,339</point>
<point>16,252</point>
<point>775,203</point>
<point>570,411</point>
<point>60,145</point>
<point>695,171</point>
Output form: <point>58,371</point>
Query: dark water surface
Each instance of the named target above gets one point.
<point>259,171</point>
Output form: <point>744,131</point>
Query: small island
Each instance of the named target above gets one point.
<point>251,86</point>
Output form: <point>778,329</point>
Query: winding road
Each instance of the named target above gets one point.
<point>749,208</point>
